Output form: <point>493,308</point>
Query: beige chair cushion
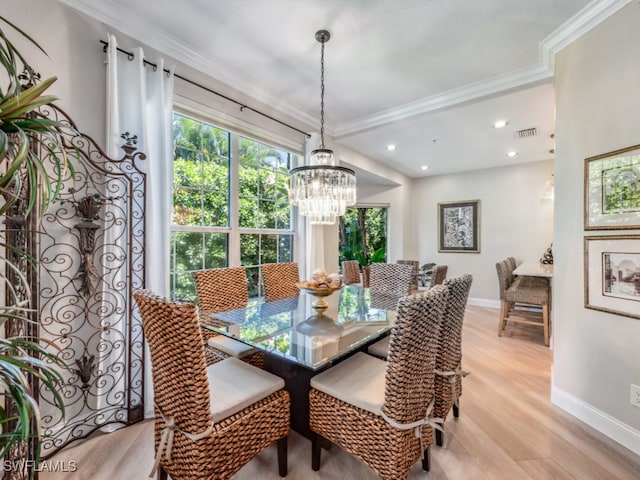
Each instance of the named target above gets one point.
<point>380,348</point>
<point>359,381</point>
<point>234,385</point>
<point>230,346</point>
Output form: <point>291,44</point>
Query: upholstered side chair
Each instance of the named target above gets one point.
<point>209,421</point>
<point>221,289</point>
<point>279,280</point>
<point>448,379</point>
<point>380,411</point>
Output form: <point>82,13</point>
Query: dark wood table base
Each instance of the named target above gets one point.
<point>297,381</point>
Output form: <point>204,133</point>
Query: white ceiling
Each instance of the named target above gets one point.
<point>429,76</point>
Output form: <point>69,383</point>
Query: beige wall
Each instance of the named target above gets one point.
<point>514,220</point>
<point>597,355</point>
<point>74,56</point>
<point>397,197</point>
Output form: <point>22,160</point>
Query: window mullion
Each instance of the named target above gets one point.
<point>234,202</point>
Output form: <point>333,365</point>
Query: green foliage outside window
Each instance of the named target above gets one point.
<point>363,235</point>
<point>264,179</point>
<point>200,174</point>
<point>201,214</point>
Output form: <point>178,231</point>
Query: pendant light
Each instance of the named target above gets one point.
<point>322,190</point>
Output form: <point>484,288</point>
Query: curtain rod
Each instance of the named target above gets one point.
<point>131,56</point>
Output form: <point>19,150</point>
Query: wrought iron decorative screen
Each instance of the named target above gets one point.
<point>91,259</point>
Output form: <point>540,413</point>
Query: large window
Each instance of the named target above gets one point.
<point>225,211</point>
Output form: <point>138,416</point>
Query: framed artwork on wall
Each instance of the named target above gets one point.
<point>459,226</point>
<point>612,190</point>
<point>612,274</point>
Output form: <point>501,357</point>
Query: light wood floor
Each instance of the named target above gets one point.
<point>507,429</point>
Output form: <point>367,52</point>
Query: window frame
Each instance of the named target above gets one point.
<point>234,230</point>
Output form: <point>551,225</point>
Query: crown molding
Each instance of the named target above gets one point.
<point>583,21</point>
<point>586,19</point>
<point>124,21</point>
<point>528,76</point>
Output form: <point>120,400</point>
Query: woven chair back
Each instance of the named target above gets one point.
<point>438,274</point>
<point>279,280</point>
<point>511,261</point>
<point>504,277</point>
<point>221,289</point>
<point>390,278</point>
<point>414,274</point>
<point>449,355</point>
<point>409,383</point>
<point>383,301</point>
<point>180,385</point>
<point>351,272</point>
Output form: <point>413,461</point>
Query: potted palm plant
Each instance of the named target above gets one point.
<point>27,185</point>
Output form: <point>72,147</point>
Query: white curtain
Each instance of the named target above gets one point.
<point>140,101</point>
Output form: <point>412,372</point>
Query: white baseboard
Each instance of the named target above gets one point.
<point>613,428</point>
<point>484,302</point>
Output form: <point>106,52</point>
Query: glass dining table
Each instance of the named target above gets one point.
<point>300,342</point>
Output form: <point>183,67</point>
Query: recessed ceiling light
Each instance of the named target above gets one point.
<point>512,154</point>
<point>425,167</point>
<point>391,147</point>
<point>500,124</point>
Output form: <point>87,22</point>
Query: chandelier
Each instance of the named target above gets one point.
<point>322,190</point>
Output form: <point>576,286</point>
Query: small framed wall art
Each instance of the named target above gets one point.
<point>459,226</point>
<point>612,274</point>
<point>612,190</point>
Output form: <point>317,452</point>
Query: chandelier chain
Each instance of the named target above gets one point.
<point>322,95</point>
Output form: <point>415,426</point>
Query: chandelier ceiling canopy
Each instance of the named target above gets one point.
<point>322,190</point>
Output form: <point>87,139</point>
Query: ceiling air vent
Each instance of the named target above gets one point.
<point>527,132</point>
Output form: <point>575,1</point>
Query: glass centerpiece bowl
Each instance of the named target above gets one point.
<point>320,304</point>
<point>319,324</point>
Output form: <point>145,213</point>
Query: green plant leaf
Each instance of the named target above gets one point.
<point>25,97</point>
<point>379,256</point>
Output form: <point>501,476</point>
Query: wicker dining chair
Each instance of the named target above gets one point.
<point>414,274</point>
<point>380,411</point>
<point>448,379</point>
<point>209,421</point>
<point>351,272</point>
<point>519,291</point>
<point>221,289</point>
<point>390,278</point>
<point>438,274</point>
<point>380,348</point>
<point>279,280</point>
